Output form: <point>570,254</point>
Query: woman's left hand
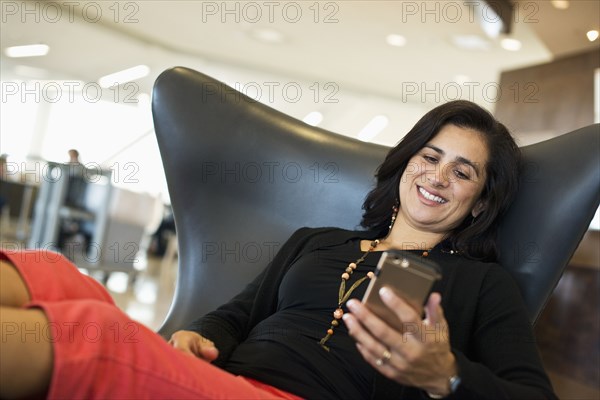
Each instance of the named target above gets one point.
<point>419,355</point>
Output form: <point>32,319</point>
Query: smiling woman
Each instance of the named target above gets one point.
<point>444,168</point>
<point>267,342</point>
<point>446,184</point>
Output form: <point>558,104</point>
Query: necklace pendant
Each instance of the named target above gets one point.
<point>344,295</point>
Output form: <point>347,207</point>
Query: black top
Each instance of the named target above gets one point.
<point>490,333</point>
<point>284,349</point>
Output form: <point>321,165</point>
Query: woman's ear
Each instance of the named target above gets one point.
<point>478,208</point>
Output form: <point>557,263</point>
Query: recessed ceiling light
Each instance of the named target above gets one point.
<point>511,44</point>
<point>373,128</point>
<point>31,50</point>
<point>127,75</point>
<point>470,42</point>
<point>267,35</point>
<point>313,118</point>
<point>395,40</point>
<point>560,4</point>
<point>592,35</point>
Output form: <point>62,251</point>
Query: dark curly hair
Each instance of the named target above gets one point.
<point>475,239</point>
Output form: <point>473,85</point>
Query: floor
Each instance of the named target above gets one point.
<point>568,334</point>
<point>148,298</point>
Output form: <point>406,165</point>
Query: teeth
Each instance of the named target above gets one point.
<point>430,196</point>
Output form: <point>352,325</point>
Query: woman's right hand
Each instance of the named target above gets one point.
<point>195,344</point>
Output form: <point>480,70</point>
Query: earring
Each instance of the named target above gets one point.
<point>394,214</point>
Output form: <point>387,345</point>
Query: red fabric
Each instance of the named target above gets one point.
<point>50,276</point>
<point>99,352</point>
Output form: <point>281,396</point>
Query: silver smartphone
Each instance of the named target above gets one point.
<point>410,276</point>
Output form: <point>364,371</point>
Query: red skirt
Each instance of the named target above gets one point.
<point>100,353</point>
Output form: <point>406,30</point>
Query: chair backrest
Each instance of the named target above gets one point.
<point>243,176</point>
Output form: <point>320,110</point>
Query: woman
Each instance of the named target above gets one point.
<point>291,332</point>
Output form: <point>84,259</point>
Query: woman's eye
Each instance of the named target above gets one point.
<point>460,174</point>
<point>430,159</point>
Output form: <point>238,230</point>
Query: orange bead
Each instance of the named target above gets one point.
<point>330,332</point>
<point>425,253</point>
<point>337,314</point>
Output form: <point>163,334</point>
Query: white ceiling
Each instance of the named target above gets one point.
<point>365,75</point>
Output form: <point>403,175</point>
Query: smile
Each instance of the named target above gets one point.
<point>432,197</point>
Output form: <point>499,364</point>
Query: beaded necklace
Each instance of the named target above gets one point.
<point>344,295</point>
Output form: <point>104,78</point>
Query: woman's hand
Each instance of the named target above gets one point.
<point>195,344</point>
<point>419,355</point>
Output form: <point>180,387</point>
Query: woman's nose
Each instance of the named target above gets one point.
<point>438,178</point>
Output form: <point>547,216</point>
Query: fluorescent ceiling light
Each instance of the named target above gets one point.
<point>560,4</point>
<point>373,128</point>
<point>395,40</point>
<point>313,118</point>
<point>592,35</point>
<point>127,75</point>
<point>511,44</point>
<point>31,50</point>
<point>470,42</point>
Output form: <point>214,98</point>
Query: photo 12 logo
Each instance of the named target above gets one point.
<point>92,252</point>
<point>246,252</point>
<point>53,12</point>
<point>270,11</point>
<point>91,172</point>
<point>492,92</point>
<point>469,11</point>
<point>270,92</point>
<point>70,332</point>
<point>269,172</point>
<point>68,91</point>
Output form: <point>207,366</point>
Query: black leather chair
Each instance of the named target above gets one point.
<point>243,176</point>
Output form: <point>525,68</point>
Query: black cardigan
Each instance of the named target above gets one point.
<point>489,329</point>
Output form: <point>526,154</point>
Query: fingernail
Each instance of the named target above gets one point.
<point>351,304</point>
<point>385,293</point>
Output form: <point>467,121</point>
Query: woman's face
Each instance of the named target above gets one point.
<point>443,181</point>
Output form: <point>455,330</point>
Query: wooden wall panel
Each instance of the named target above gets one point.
<point>555,97</point>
